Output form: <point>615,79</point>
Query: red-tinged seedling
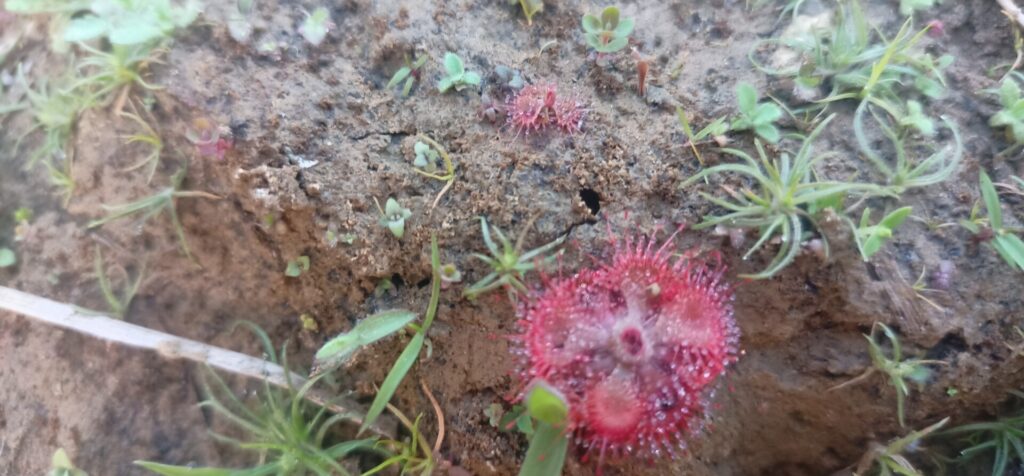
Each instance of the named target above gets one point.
<point>541,107</point>
<point>634,346</point>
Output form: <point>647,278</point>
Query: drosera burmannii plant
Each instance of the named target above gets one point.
<point>897,369</point>
<point>507,262</point>
<point>539,107</point>
<point>631,348</point>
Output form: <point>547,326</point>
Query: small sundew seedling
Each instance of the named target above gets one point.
<point>788,192</point>
<point>530,8</point>
<point>1004,438</point>
<point>393,216</point>
<point>314,29</point>
<point>456,75</point>
<point>60,465</point>
<point>508,263</point>
<point>891,459</point>
<point>1011,116</point>
<point>759,118</point>
<point>895,368</point>
<point>992,231</point>
<point>870,237</point>
<point>541,107</point>
<point>297,266</point>
<point>407,75</point>
<point>162,201</point>
<point>607,33</point>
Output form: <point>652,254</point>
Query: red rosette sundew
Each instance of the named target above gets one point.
<point>634,344</point>
<point>539,107</point>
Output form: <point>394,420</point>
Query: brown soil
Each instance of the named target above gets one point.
<point>802,331</point>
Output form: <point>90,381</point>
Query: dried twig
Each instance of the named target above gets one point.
<point>173,347</point>
<point>1011,10</point>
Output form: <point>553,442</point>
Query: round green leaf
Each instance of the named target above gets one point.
<point>453,64</point>
<point>7,258</point>
<point>85,28</point>
<point>547,404</point>
<point>591,24</point>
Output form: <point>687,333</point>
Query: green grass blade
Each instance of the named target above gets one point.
<point>991,199</point>
<point>546,454</point>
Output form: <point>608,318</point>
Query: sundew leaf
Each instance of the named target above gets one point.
<point>546,454</point>
<point>376,327</point>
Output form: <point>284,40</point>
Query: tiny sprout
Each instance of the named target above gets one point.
<point>456,75</point>
<point>608,33</point>
<point>508,263</point>
<point>60,465</point>
<point>530,8</point>
<point>393,216</point>
<point>450,274</point>
<point>1011,116</point>
<point>426,158</point>
<point>309,323</point>
<point>510,78</point>
<point>316,26</point>
<point>870,237</point>
<point>297,266</point>
<point>896,369</point>
<point>408,73</point>
<point>916,119</point>
<point>759,118</point>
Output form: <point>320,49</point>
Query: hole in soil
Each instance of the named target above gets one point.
<point>949,345</point>
<point>397,281</point>
<point>591,199</point>
<point>423,283</point>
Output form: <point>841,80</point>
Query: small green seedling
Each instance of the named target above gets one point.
<point>335,352</point>
<point>393,216</point>
<point>1004,240</point>
<point>60,465</point>
<point>909,7</point>
<point>759,118</point>
<point>517,418</point>
<point>426,158</point>
<point>871,237</point>
<point>607,33</point>
<point>508,264</point>
<point>7,258</point>
<point>549,442</point>
<point>917,120</point>
<point>890,458</point>
<point>162,201</point>
<point>427,152</point>
<point>906,173</point>
<point>456,75</point>
<point>117,303</point>
<point>290,435</point>
<point>297,266</point>
<point>450,274</point>
<point>1004,437</point>
<point>314,29</point>
<point>1011,116</point>
<point>895,368</point>
<point>149,137</point>
<point>412,455</point>
<point>788,189</point>
<point>716,130</point>
<point>408,73</point>
<point>530,8</point>
<point>112,72</point>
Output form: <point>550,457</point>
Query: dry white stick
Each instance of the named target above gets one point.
<point>1012,10</point>
<point>167,345</point>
